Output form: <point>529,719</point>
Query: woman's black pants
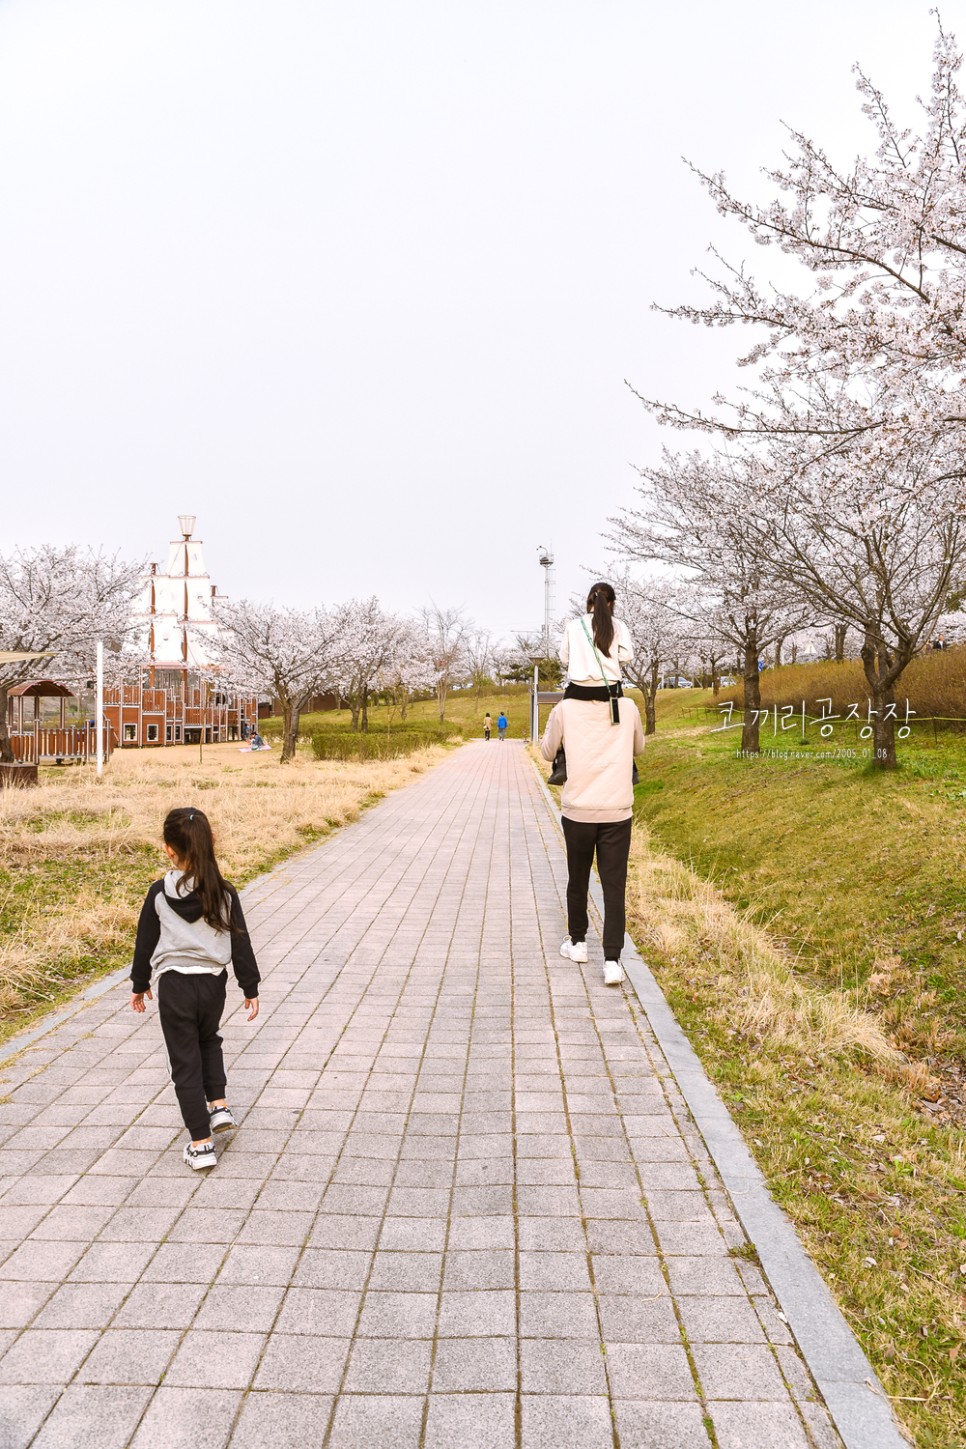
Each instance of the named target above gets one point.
<point>190,1008</point>
<point>611,840</point>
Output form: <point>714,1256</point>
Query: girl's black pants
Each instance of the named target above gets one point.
<point>611,841</point>
<point>190,1008</point>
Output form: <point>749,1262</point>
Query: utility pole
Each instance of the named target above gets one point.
<point>549,580</point>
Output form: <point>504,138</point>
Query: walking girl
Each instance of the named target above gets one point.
<point>190,930</point>
<point>600,732</point>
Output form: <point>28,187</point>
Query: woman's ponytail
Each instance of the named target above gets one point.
<point>188,832</point>
<point>600,603</point>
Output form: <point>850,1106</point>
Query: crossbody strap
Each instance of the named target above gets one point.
<point>609,684</point>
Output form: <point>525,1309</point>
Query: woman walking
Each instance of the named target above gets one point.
<point>600,732</point>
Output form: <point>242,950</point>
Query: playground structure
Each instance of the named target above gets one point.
<point>171,696</point>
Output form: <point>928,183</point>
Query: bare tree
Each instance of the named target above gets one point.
<point>61,601</point>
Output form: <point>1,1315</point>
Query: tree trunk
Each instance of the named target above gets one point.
<point>6,748</point>
<point>441,689</point>
<point>840,632</point>
<point>404,706</point>
<point>794,653</point>
<point>354,710</point>
<point>365,710</point>
<point>715,677</point>
<point>290,731</point>
<point>882,670</point>
<point>750,728</point>
<point>650,698</point>
<point>778,651</point>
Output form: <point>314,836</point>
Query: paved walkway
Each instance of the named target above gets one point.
<point>466,1206</point>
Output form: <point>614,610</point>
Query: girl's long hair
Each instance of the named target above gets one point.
<point>600,603</point>
<point>188,832</point>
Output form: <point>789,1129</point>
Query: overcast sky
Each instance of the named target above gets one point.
<point>359,283</point>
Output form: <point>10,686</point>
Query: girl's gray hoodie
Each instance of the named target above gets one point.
<point>174,936</point>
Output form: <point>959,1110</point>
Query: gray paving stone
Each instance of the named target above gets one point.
<point>283,1421</point>
<point>298,1362</point>
<point>93,1416</point>
<point>561,1366</point>
<point>363,1421</point>
<point>326,1312</point>
<point>82,1305</point>
<point>160,1305</point>
<point>389,1366</point>
<point>738,1371</point>
<point>406,1272</point>
<point>179,1418</point>
<point>227,1306</point>
<point>644,1425</point>
<point>130,1356</point>
<point>567,1421</point>
<point>215,1359</point>
<point>649,1370</point>
<point>757,1426</point>
<point>465,1365</point>
<point>46,1355</point>
<point>480,1314</point>
<point>23,1407</point>
<point>473,1421</point>
<point>558,1315</point>
<point>403,1315</point>
<point>720,1320</point>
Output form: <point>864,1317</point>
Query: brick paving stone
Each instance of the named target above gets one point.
<point>459,1161</point>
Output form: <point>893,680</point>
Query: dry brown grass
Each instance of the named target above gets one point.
<point>77,854</point>
<point>934,684</point>
<point>685,918</point>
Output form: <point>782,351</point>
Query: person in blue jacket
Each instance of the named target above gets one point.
<point>502,724</point>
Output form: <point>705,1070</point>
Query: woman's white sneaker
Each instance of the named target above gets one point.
<point>613,973</point>
<point>221,1119</point>
<point>574,950</point>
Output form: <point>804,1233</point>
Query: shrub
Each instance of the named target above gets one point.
<point>378,745</point>
<point>934,683</point>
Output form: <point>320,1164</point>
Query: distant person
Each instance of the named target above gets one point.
<point>502,725</point>
<point>939,642</point>
<point>190,930</point>
<point>257,742</point>
<point>487,725</point>
<point>598,798</point>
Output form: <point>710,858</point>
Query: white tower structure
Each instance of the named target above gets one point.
<point>178,605</point>
<point>549,582</point>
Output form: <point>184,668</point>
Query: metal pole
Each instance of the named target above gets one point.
<point>99,711</point>
<point>535,708</point>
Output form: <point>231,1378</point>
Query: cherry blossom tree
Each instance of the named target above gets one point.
<point>61,601</point>
<point>868,537</point>
<point>290,653</point>
<point>882,248</point>
<point>658,633</point>
<point>372,637</point>
<point>411,670</point>
<point>447,631</point>
<point>694,515</point>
